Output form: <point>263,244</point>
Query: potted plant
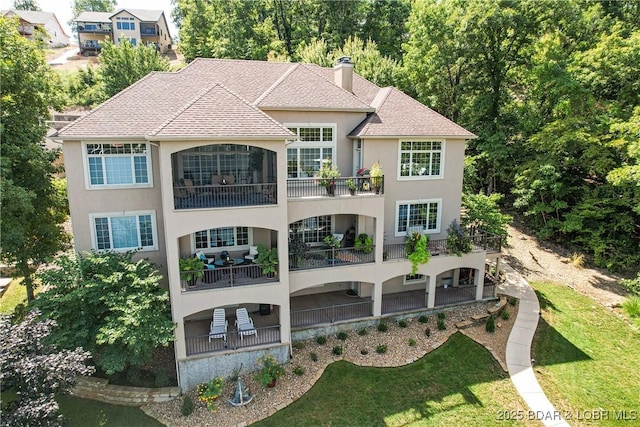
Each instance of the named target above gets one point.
<point>327,176</point>
<point>268,259</point>
<point>376,177</point>
<point>417,252</point>
<point>364,243</point>
<point>351,186</point>
<point>269,371</point>
<point>191,269</point>
<point>458,241</point>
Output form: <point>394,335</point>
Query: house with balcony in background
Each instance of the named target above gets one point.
<point>138,25</point>
<point>41,25</point>
<point>220,161</point>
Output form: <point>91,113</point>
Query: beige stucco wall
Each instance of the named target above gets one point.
<point>83,202</point>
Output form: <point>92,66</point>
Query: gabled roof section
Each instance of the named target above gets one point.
<point>94,17</point>
<point>32,16</point>
<point>397,114</point>
<point>304,89</point>
<point>218,112</point>
<point>145,15</point>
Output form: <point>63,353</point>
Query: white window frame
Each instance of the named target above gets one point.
<point>297,144</point>
<point>87,173</point>
<point>421,177</point>
<point>407,282</point>
<point>332,221</point>
<point>121,214</point>
<point>211,249</point>
<point>415,202</point>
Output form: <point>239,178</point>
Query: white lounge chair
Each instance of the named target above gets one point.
<point>244,323</point>
<point>219,325</point>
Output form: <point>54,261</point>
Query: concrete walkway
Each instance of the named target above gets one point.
<point>518,352</point>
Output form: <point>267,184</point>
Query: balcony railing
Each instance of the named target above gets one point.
<point>322,258</point>
<point>481,242</point>
<point>455,295</point>
<point>224,196</point>
<point>227,277</point>
<point>331,314</point>
<point>202,344</point>
<point>312,187</point>
<point>93,29</point>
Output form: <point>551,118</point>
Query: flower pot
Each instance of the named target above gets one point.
<point>272,384</point>
<point>331,189</point>
<point>352,191</point>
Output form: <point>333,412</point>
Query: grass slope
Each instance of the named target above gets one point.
<point>459,383</point>
<point>586,358</point>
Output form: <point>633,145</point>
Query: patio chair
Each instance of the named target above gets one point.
<point>244,323</point>
<point>219,325</point>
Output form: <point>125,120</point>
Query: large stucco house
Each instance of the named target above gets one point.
<point>140,26</point>
<point>38,24</point>
<point>223,156</point>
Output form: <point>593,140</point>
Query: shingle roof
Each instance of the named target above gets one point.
<point>238,91</point>
<point>397,114</point>
<point>94,17</point>
<point>217,112</point>
<point>142,14</point>
<point>32,16</point>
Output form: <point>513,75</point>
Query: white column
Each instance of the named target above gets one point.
<point>431,286</point>
<point>478,280</point>
<point>377,299</point>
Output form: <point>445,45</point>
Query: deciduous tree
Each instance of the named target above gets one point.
<point>32,212</point>
<point>108,304</point>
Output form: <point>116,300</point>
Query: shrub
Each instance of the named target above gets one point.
<point>299,345</point>
<point>162,379</point>
<point>491,324</point>
<point>441,325</point>
<point>314,356</point>
<point>442,315</point>
<point>403,324</point>
<point>209,392</point>
<point>427,332</point>
<point>337,350</point>
<point>632,306</point>
<point>364,352</point>
<point>513,300</point>
<point>423,319</point>
<point>187,406</point>
<point>342,336</point>
<point>577,260</point>
<point>382,327</point>
<point>321,340</point>
<point>505,315</point>
<point>270,370</point>
<point>299,371</point>
<point>381,348</point>
<point>632,285</point>
<point>362,331</point>
<point>412,342</point>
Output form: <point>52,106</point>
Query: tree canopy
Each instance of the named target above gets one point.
<point>33,211</point>
<point>109,305</point>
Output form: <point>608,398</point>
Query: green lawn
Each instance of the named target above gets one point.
<point>82,412</point>
<point>587,359</point>
<point>459,383</point>
<point>15,294</point>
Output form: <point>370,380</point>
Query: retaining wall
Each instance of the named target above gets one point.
<point>100,389</point>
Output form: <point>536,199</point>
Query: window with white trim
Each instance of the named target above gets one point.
<point>225,237</point>
<point>412,279</point>
<point>118,164</point>
<point>421,159</point>
<point>128,231</point>
<point>418,215</point>
<point>313,146</point>
<point>311,230</point>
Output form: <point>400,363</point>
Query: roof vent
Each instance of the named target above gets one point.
<point>343,73</point>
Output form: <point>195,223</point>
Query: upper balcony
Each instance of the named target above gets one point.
<point>148,30</point>
<point>224,176</point>
<point>343,186</point>
<point>95,28</point>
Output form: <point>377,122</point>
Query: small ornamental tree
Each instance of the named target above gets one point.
<point>108,304</point>
<point>35,370</point>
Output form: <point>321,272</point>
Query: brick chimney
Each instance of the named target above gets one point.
<point>343,73</point>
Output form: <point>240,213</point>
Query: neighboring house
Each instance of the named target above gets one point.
<point>39,24</point>
<point>138,25</point>
<point>223,156</point>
